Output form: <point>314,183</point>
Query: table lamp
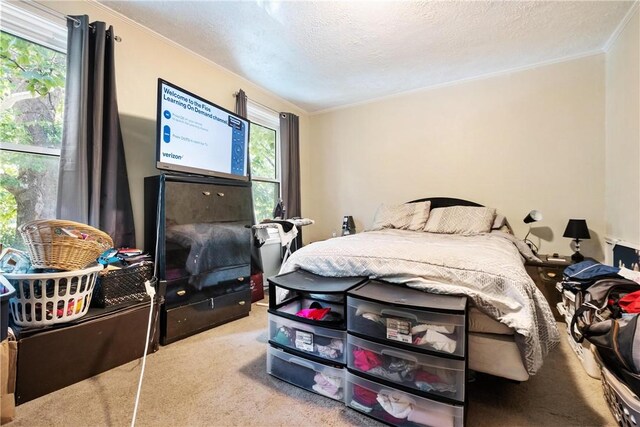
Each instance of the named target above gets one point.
<point>533,216</point>
<point>577,230</point>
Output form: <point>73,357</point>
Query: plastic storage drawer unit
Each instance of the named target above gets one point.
<point>417,371</point>
<point>398,408</point>
<point>407,317</point>
<point>582,350</point>
<point>568,301</point>
<point>316,377</point>
<point>309,298</point>
<point>312,340</point>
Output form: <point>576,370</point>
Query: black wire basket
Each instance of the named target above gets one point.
<point>123,286</point>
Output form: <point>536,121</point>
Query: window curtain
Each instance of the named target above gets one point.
<point>256,258</point>
<point>241,103</point>
<point>290,146</point>
<point>93,186</point>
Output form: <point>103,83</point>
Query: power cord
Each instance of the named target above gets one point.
<point>152,293</point>
<point>533,246</point>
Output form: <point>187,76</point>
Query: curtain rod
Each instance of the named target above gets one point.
<point>256,102</point>
<point>57,14</point>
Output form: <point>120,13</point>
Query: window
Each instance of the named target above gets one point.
<point>33,69</point>
<point>264,144</point>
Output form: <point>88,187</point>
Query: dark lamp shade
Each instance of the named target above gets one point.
<point>533,216</point>
<point>577,229</point>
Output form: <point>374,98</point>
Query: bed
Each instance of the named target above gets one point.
<point>511,326</point>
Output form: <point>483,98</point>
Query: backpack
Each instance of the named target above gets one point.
<point>618,344</point>
<point>615,335</point>
<point>600,302</point>
<point>580,276</point>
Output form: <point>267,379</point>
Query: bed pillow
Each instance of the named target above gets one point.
<point>460,220</point>
<point>499,222</point>
<point>407,216</point>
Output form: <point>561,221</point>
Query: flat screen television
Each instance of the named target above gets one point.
<point>196,136</point>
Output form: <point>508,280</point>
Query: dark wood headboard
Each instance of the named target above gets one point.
<point>445,202</point>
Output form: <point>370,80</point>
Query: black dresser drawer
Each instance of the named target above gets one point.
<point>186,320</point>
<point>182,292</point>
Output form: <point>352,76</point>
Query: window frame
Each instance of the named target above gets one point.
<point>267,118</point>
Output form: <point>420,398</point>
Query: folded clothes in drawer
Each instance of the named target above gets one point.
<point>423,330</point>
<point>398,408</point>
<point>425,373</point>
<point>313,311</point>
<point>316,377</point>
<point>315,340</point>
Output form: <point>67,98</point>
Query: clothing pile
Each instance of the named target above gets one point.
<point>328,385</point>
<point>319,313</point>
<point>607,304</point>
<point>623,298</point>
<point>397,409</point>
<point>326,347</point>
<point>405,372</point>
<point>322,383</point>
<point>437,337</point>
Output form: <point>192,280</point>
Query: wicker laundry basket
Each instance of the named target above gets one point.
<point>63,245</point>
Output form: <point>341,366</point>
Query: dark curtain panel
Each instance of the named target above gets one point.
<point>290,146</point>
<point>93,186</point>
<point>241,110</point>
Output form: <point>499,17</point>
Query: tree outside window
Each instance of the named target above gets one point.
<point>265,163</point>
<point>31,109</point>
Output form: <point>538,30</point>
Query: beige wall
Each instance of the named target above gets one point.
<point>518,141</point>
<point>622,193</point>
<point>141,58</point>
<point>531,139</point>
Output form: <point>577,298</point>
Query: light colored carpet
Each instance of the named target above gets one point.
<point>218,378</point>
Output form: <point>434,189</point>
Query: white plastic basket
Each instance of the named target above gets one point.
<point>623,403</point>
<point>43,299</point>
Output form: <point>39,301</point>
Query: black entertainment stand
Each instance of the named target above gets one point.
<point>201,227</point>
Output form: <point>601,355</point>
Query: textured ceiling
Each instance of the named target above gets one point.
<point>321,55</point>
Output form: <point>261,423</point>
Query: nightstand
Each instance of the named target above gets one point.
<point>545,275</point>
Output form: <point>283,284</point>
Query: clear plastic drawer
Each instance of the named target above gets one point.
<point>399,408</point>
<point>315,340</point>
<point>429,374</point>
<point>419,329</point>
<point>309,298</point>
<point>316,311</point>
<point>324,380</point>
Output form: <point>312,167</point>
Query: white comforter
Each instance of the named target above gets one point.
<point>488,268</point>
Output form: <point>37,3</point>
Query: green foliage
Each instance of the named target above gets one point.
<point>33,71</point>
<point>263,152</point>
<point>31,109</point>
<point>265,197</point>
<point>8,215</point>
<point>29,66</point>
<point>263,165</point>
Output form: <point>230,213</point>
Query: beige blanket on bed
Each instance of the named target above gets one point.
<point>488,268</point>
